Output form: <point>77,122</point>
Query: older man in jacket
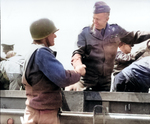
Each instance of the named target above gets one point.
<point>98,46</point>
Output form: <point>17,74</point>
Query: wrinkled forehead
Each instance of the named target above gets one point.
<point>101,15</point>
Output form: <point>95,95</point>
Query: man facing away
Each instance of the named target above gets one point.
<point>44,76</point>
<point>98,46</point>
<point>11,70</point>
<point>125,57</point>
<point>135,77</point>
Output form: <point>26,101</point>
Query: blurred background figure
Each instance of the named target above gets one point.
<point>11,71</point>
<point>7,47</point>
<point>10,54</point>
<point>125,56</point>
<point>136,76</point>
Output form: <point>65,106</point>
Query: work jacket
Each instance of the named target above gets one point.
<point>43,78</point>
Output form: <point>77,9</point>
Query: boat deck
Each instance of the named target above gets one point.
<point>86,107</point>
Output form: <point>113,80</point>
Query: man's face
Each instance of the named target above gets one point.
<point>100,20</point>
<point>51,38</point>
<point>126,48</point>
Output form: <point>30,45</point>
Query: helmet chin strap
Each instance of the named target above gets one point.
<point>47,42</point>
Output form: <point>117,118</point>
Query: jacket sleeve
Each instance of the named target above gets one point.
<point>123,58</point>
<point>80,52</point>
<point>54,70</point>
<point>141,36</point>
<point>81,45</point>
<point>135,37</point>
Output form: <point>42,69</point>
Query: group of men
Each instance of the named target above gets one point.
<point>93,62</point>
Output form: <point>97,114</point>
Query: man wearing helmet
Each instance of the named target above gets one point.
<point>44,76</point>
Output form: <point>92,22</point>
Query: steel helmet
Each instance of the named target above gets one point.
<point>41,28</point>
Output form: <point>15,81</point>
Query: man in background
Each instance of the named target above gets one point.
<point>135,77</point>
<point>11,70</point>
<point>125,57</point>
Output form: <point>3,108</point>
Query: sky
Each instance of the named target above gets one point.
<point>70,17</point>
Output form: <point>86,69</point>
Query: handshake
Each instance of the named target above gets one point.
<point>80,69</point>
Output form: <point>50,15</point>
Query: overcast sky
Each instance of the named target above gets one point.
<point>70,16</point>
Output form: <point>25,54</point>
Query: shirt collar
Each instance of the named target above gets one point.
<point>97,33</point>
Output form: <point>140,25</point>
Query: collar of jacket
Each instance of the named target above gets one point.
<point>38,46</point>
<point>97,33</point>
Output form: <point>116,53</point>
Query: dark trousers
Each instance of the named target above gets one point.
<point>102,84</point>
